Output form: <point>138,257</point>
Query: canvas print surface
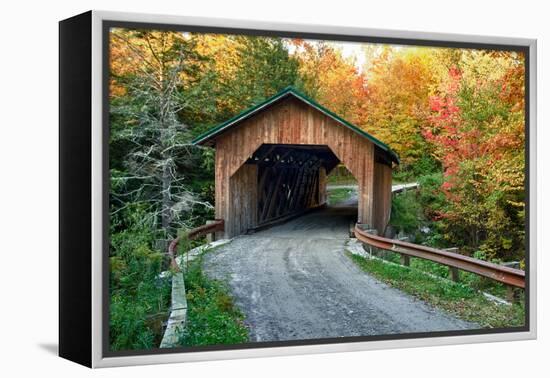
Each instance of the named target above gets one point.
<point>269,190</point>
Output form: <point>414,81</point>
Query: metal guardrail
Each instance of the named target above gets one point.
<point>503,274</point>
<point>209,228</point>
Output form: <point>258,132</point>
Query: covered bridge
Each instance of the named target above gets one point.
<point>272,162</point>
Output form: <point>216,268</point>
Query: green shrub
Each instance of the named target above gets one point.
<point>431,197</point>
<point>424,165</point>
<point>139,299</point>
<point>406,212</point>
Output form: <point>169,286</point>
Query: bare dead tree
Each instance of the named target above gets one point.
<point>160,87</point>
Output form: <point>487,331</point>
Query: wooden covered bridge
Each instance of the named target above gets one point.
<point>272,162</point>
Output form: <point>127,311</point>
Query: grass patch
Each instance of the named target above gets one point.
<point>460,300</point>
<point>472,280</point>
<point>338,195</point>
<point>212,318</point>
<point>469,279</point>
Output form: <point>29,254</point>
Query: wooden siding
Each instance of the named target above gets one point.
<point>243,201</point>
<point>290,122</point>
<point>382,196</point>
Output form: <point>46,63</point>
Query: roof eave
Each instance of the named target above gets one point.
<point>212,134</point>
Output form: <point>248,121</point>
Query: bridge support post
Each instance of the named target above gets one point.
<point>405,260</point>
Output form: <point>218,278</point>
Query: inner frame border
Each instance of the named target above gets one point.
<point>101,24</point>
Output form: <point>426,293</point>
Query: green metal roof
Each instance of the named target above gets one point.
<point>289,91</point>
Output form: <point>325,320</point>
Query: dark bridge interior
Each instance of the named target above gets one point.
<point>291,179</point>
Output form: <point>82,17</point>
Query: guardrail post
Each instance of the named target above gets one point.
<point>511,294</point>
<point>211,236</point>
<point>454,274</point>
<point>404,259</point>
<point>373,250</point>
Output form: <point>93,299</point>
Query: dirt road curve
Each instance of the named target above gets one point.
<point>294,282</point>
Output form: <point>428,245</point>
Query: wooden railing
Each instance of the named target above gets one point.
<point>508,276</point>
<point>209,228</point>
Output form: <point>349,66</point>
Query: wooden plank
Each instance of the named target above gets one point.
<point>296,188</point>
<point>382,196</point>
<point>275,195</point>
<point>244,200</point>
<point>322,186</point>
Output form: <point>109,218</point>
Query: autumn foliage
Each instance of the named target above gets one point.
<point>476,126</point>
<point>455,115</point>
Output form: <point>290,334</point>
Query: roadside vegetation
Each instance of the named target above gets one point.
<point>140,299</point>
<point>212,318</point>
<point>460,300</point>
<point>412,217</point>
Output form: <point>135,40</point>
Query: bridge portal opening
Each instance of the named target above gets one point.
<point>341,176</point>
<point>342,187</point>
<point>291,179</point>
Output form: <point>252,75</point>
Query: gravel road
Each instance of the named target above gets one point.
<point>294,282</point>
